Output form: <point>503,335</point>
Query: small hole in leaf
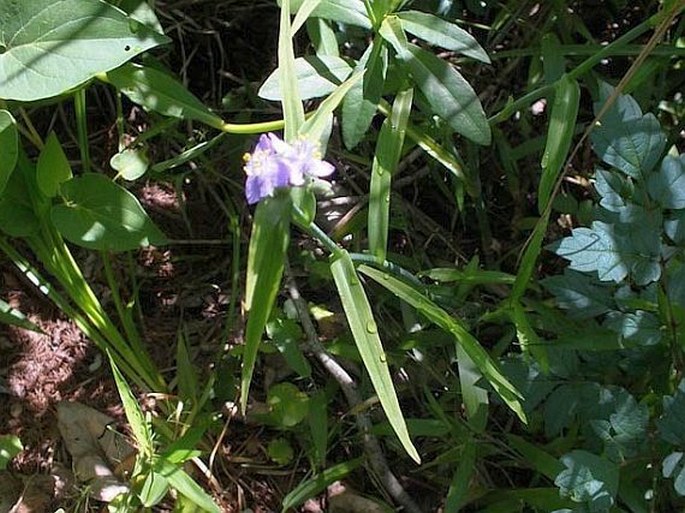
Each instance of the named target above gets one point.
<point>3,49</point>
<point>127,48</point>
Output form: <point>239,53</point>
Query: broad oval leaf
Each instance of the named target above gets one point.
<point>130,163</point>
<point>50,46</point>
<point>361,102</point>
<point>450,96</point>
<point>351,12</point>
<point>159,92</point>
<point>317,75</point>
<point>99,214</point>
<point>17,214</point>
<point>442,33</point>
<point>9,147</point>
<point>53,167</point>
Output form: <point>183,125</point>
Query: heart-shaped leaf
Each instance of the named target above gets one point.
<point>50,46</point>
<point>9,150</point>
<point>99,214</point>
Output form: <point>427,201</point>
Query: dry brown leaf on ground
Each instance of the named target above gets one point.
<point>96,450</point>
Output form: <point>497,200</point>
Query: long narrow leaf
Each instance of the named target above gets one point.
<point>186,486</point>
<point>385,161</point>
<point>293,111</point>
<point>365,333</point>
<point>458,492</point>
<point>562,126</point>
<point>309,488</point>
<point>304,11</point>
<point>443,34</point>
<point>265,260</point>
<point>486,365</point>
<point>14,317</point>
<point>134,415</point>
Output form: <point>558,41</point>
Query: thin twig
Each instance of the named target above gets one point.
<point>371,446</point>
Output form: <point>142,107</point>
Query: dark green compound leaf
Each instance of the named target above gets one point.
<point>625,139</point>
<point>624,432</point>
<point>588,479</point>
<point>672,421</point>
<point>667,185</point>
<point>578,294</point>
<point>674,227</point>
<point>51,46</point>
<point>675,282</point>
<point>567,403</point>
<point>614,190</point>
<point>636,329</point>
<point>674,466</point>
<point>99,214</point>
<point>615,250</point>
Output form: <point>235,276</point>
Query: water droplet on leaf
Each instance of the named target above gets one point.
<point>384,358</point>
<point>371,327</point>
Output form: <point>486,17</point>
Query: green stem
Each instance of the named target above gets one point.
<point>311,228</point>
<point>82,127</point>
<point>336,251</point>
<point>252,128</point>
<point>579,70</point>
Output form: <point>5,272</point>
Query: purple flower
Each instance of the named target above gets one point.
<point>275,163</point>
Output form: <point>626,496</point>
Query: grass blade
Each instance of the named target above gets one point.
<point>365,333</point>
